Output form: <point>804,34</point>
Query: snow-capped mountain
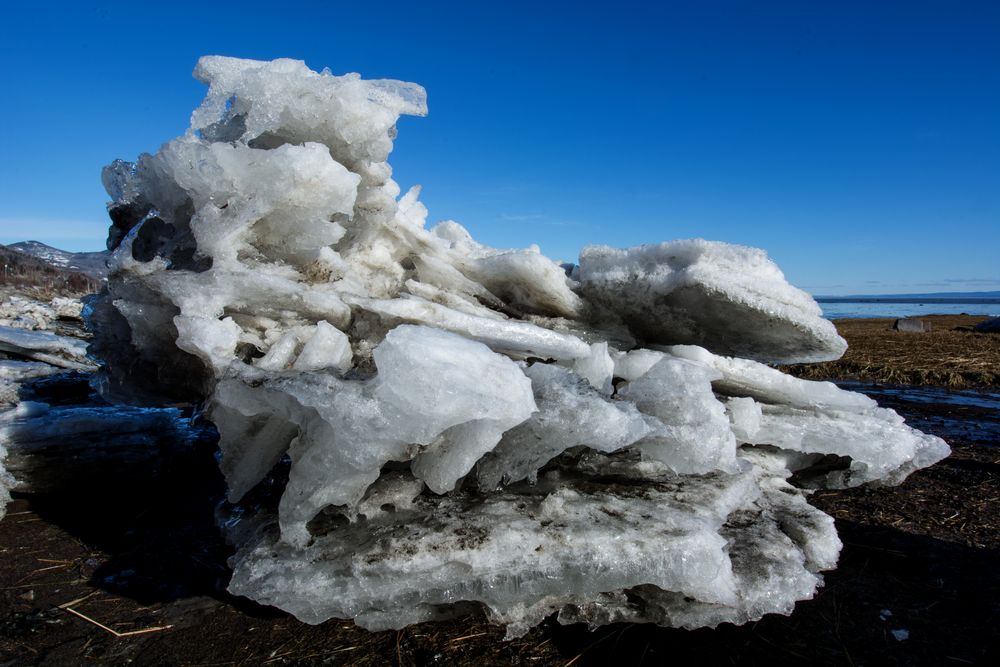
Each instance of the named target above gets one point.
<point>89,263</point>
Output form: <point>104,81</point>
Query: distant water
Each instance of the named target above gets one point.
<point>838,309</point>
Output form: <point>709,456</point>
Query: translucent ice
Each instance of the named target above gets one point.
<point>570,414</point>
<point>428,403</point>
<point>414,424</point>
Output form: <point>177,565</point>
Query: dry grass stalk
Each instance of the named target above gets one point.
<point>68,607</point>
<point>950,355</point>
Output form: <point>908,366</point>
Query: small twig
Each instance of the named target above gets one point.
<point>41,569</point>
<point>90,620</point>
<point>458,639</point>
<point>69,608</point>
<point>115,632</point>
<point>51,567</point>
<point>78,600</point>
<point>144,631</point>
<point>23,645</point>
<point>37,585</point>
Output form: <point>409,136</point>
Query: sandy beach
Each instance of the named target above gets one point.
<point>131,569</point>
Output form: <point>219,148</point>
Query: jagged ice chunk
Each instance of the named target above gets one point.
<point>414,424</point>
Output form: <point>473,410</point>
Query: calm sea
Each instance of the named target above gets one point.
<point>836,308</point>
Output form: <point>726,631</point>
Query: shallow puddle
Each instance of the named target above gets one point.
<point>965,415</point>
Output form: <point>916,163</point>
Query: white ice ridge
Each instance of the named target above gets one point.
<point>412,422</point>
<point>729,298</point>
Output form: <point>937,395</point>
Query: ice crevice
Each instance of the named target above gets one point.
<point>442,424</point>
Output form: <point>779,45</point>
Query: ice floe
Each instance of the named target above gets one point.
<point>444,425</point>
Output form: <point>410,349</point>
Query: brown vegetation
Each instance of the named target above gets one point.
<point>36,278</point>
<point>950,355</point>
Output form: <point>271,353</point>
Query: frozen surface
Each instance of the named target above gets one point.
<point>44,346</point>
<point>98,441</point>
<point>428,404</point>
<point>20,312</point>
<point>29,351</point>
<point>584,535</point>
<point>414,424</point>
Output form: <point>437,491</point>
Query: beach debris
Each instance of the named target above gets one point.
<point>414,424</point>
<point>911,325</point>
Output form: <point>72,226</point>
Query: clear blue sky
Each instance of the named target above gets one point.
<point>857,142</point>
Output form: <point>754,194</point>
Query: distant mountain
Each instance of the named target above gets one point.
<point>92,264</point>
<point>23,272</point>
<point>929,297</point>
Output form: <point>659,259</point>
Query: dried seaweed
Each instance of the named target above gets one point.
<point>950,355</point>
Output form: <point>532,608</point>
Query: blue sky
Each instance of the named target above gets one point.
<point>857,142</point>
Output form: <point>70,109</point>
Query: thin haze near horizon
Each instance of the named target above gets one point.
<point>858,143</point>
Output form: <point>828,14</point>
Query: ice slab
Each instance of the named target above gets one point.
<point>61,351</point>
<point>568,542</point>
<point>745,377</point>
<point>427,404</point>
<point>730,299</point>
<point>521,338</point>
<point>696,437</point>
<point>825,433</point>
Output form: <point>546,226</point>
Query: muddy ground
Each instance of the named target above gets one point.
<point>131,570</point>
